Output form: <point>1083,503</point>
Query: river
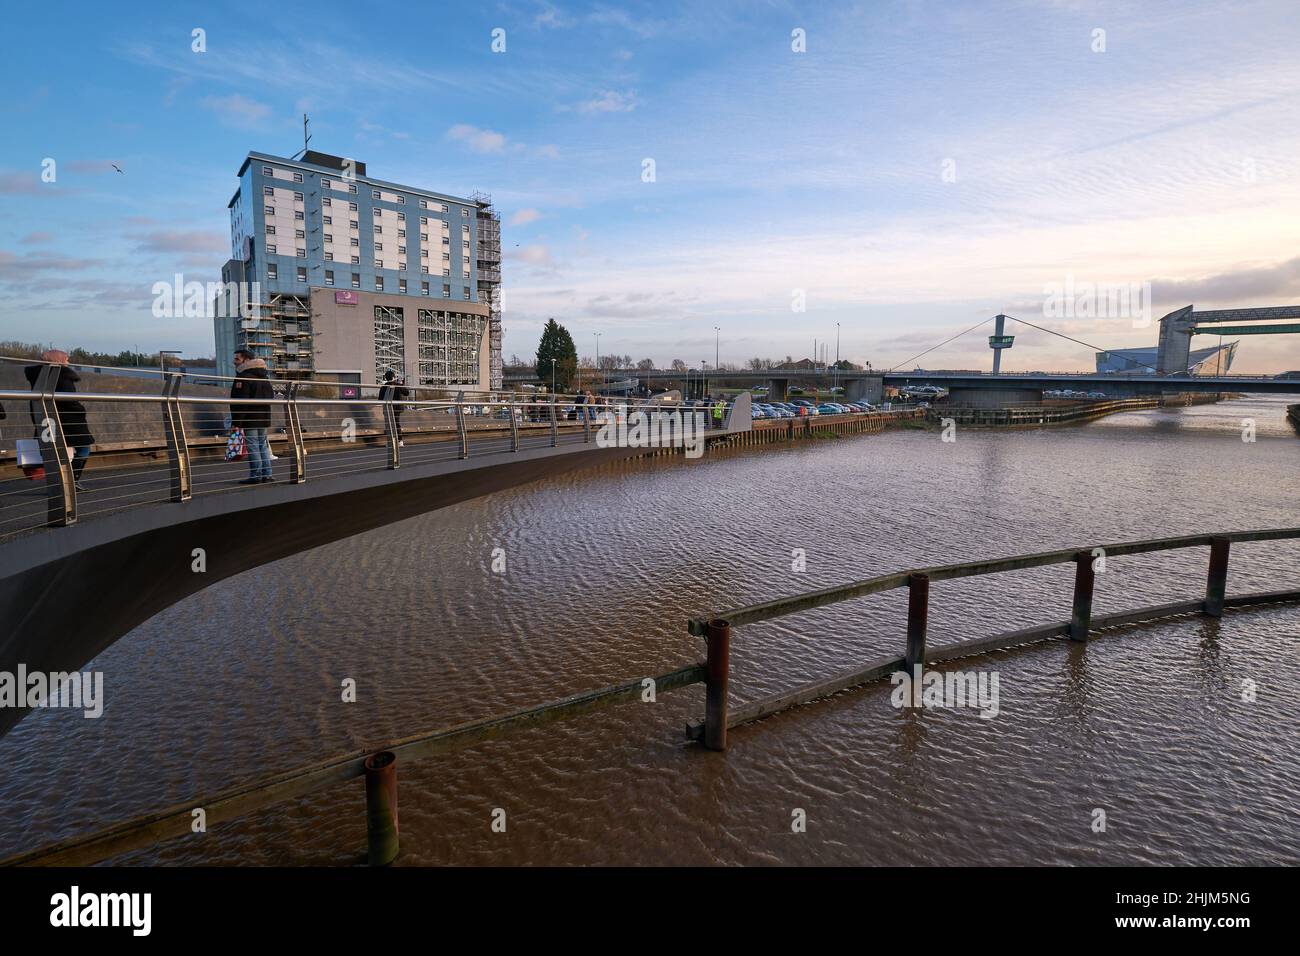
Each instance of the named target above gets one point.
<point>602,568</point>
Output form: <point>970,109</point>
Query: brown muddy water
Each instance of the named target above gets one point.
<point>602,569</point>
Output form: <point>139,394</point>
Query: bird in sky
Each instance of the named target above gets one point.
<point>117,167</point>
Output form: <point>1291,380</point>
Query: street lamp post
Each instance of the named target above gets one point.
<point>598,376</point>
<point>552,375</point>
<point>717,340</point>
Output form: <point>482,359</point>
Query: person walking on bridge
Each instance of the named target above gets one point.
<point>72,414</point>
<point>394,391</point>
<point>253,381</point>
<point>719,409</point>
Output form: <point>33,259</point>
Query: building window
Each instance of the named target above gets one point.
<point>378,212</point>
<point>379,247</point>
<point>329,237</point>
<point>269,210</point>
<point>424,269</point>
<point>270,230</point>
<point>354,224</point>
<point>355,242</point>
<point>446,272</point>
<point>401,234</point>
<point>424,237</point>
<point>446,257</point>
<point>424,288</point>
<point>325,201</point>
<point>356,280</point>
<point>302,253</point>
<point>329,277</point>
<point>270,250</point>
<point>379,283</point>
<point>466,291</point>
<point>401,201</point>
<point>297,197</point>
<point>328,220</point>
<point>379,230</point>
<point>374,194</point>
<point>329,257</point>
<point>271,271</point>
<point>298,215</point>
<point>401,217</point>
<point>352,206</point>
<point>401,250</point>
<point>268,171</point>
<point>401,285</point>
<point>356,260</point>
<point>446,241</point>
<point>352,189</point>
<point>465,213</point>
<point>379,263</point>
<point>424,220</point>
<point>401,266</point>
<point>297,177</point>
<point>268,190</point>
<point>442,208</point>
<point>446,291</point>
<point>424,253</point>
<point>299,234</point>
<point>302,273</point>
<point>424,204</point>
<point>325,184</point>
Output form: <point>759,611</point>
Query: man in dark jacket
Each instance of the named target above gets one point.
<point>394,391</point>
<point>252,381</point>
<point>72,414</point>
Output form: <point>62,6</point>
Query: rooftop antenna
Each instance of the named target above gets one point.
<point>306,138</point>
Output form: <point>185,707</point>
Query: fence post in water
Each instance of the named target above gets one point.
<point>1216,585</point>
<point>918,620</point>
<point>1081,614</point>
<point>717,669</point>
<point>381,808</point>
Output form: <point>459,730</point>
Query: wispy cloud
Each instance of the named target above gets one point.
<point>237,110</point>
<point>609,101</point>
<point>524,216</point>
<point>479,140</point>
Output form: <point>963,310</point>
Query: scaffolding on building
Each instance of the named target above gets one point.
<point>279,332</point>
<point>390,342</point>
<point>489,280</point>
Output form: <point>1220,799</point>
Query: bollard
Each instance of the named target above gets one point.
<point>381,808</point>
<point>717,670</point>
<point>1216,585</point>
<point>1081,614</point>
<point>918,620</point>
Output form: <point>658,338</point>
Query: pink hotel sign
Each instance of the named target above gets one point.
<point>343,297</point>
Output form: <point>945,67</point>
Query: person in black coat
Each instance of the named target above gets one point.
<point>394,391</point>
<point>252,381</point>
<point>72,414</point>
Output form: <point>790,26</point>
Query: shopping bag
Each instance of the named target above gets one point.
<point>29,458</point>
<point>236,445</point>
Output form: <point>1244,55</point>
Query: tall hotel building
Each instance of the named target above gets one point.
<point>357,276</point>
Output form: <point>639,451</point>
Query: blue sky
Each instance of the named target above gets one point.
<point>919,167</point>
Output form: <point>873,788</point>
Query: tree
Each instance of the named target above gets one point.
<point>557,344</point>
<point>645,365</point>
<point>678,365</point>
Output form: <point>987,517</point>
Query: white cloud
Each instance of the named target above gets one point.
<point>524,216</point>
<point>479,140</point>
<point>238,111</point>
<point>609,101</point>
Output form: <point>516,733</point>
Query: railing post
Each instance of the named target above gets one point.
<point>381,808</point>
<point>297,450</point>
<point>390,428</point>
<point>1216,585</point>
<point>460,425</point>
<point>1081,614</point>
<point>514,428</point>
<point>918,621</point>
<point>717,669</point>
<point>555,432</point>
<point>178,452</point>
<point>586,423</point>
<point>60,484</point>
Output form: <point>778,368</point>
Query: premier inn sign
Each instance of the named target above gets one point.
<point>346,297</point>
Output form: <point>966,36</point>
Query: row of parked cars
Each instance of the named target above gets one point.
<point>1071,393</point>
<point>802,408</point>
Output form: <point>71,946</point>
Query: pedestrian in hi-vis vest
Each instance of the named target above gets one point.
<point>719,409</point>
